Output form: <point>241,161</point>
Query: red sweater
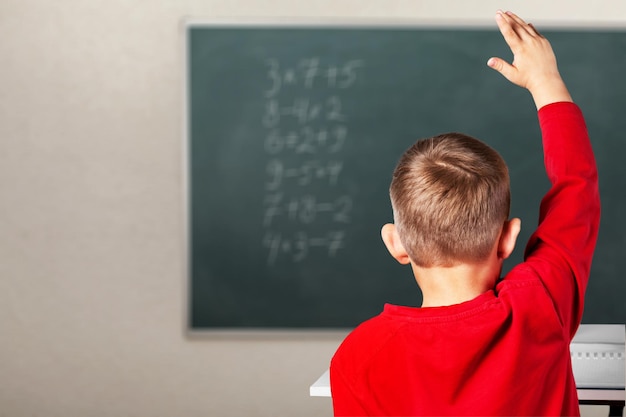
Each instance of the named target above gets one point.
<point>505,352</point>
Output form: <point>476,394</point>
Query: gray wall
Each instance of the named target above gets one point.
<point>92,286</point>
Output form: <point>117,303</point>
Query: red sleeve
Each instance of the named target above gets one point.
<point>561,249</point>
<point>345,403</point>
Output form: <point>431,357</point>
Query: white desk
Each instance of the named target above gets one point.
<point>598,362</point>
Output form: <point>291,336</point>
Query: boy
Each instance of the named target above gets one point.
<point>480,345</point>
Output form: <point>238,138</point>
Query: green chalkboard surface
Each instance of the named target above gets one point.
<point>294,131</point>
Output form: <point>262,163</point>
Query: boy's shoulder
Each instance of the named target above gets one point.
<point>369,337</point>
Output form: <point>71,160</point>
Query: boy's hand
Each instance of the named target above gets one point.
<point>534,64</point>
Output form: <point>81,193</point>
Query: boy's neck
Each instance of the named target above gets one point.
<point>444,286</point>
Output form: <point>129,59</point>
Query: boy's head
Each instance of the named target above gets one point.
<point>451,197</point>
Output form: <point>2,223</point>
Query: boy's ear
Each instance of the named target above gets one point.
<point>393,243</point>
<point>510,231</point>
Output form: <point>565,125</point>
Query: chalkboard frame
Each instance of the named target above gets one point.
<point>310,23</point>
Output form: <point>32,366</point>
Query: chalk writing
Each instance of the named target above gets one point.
<point>299,245</point>
<point>309,73</point>
<point>303,174</point>
<point>307,129</point>
<point>306,208</point>
<point>304,111</point>
<point>307,140</point>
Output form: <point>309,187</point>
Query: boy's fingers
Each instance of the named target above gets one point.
<point>535,30</point>
<point>504,24</point>
<point>522,27</point>
<point>516,18</point>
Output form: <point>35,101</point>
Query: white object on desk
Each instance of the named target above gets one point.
<point>598,356</point>
<point>321,387</point>
<point>597,361</point>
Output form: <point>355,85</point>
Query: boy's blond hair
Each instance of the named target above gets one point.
<point>450,196</point>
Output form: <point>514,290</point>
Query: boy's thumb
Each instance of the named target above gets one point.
<point>502,67</point>
<point>495,63</point>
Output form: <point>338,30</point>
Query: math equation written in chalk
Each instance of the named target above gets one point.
<point>305,126</point>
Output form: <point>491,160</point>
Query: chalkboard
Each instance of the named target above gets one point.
<point>293,132</point>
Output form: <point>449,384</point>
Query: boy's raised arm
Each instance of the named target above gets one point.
<point>561,248</point>
<point>534,64</point>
